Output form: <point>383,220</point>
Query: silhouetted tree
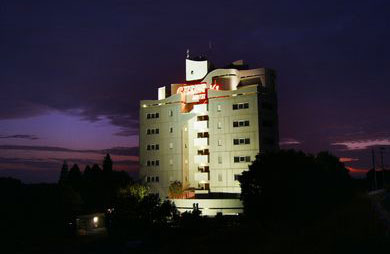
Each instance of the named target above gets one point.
<point>64,173</point>
<point>74,177</point>
<point>92,174</point>
<point>293,186</point>
<point>107,164</point>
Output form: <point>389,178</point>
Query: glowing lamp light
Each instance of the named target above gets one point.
<point>95,219</point>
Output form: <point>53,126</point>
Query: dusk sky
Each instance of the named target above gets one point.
<point>72,73</point>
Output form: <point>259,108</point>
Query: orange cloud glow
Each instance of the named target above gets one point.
<point>357,170</point>
<point>346,159</point>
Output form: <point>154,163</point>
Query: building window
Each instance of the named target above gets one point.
<point>157,179</point>
<point>203,118</point>
<point>171,130</point>
<point>153,147</point>
<point>238,159</point>
<point>219,177</point>
<point>152,178</point>
<point>238,106</point>
<point>170,145</point>
<point>153,163</point>
<point>219,108</point>
<point>240,123</point>
<point>203,134</point>
<point>219,125</point>
<point>170,113</point>
<point>219,159</point>
<point>241,141</point>
<point>152,131</point>
<point>236,177</point>
<point>148,179</point>
<point>219,142</point>
<point>170,162</point>
<point>152,115</point>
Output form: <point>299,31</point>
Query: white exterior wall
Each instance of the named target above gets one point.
<point>178,150</point>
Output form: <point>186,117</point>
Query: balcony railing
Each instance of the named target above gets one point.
<point>201,142</point>
<point>201,159</point>
<point>201,125</point>
<point>202,177</point>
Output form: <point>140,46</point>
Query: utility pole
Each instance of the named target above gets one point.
<point>382,166</point>
<point>373,167</point>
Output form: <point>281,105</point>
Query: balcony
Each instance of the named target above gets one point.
<point>201,125</point>
<point>202,177</point>
<point>201,191</point>
<point>201,159</point>
<point>200,108</point>
<point>201,142</point>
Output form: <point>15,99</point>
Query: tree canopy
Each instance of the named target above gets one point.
<point>291,185</point>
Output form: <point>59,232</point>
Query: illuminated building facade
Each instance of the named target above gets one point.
<point>206,131</point>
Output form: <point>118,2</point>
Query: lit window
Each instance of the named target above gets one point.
<point>170,145</point>
<point>219,125</point>
<point>219,108</point>
<point>219,142</point>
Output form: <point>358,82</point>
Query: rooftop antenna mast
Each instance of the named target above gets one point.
<point>188,54</point>
<point>210,49</point>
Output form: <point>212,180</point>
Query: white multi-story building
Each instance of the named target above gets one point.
<point>205,132</point>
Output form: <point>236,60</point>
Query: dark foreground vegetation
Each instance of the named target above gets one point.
<point>294,203</point>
